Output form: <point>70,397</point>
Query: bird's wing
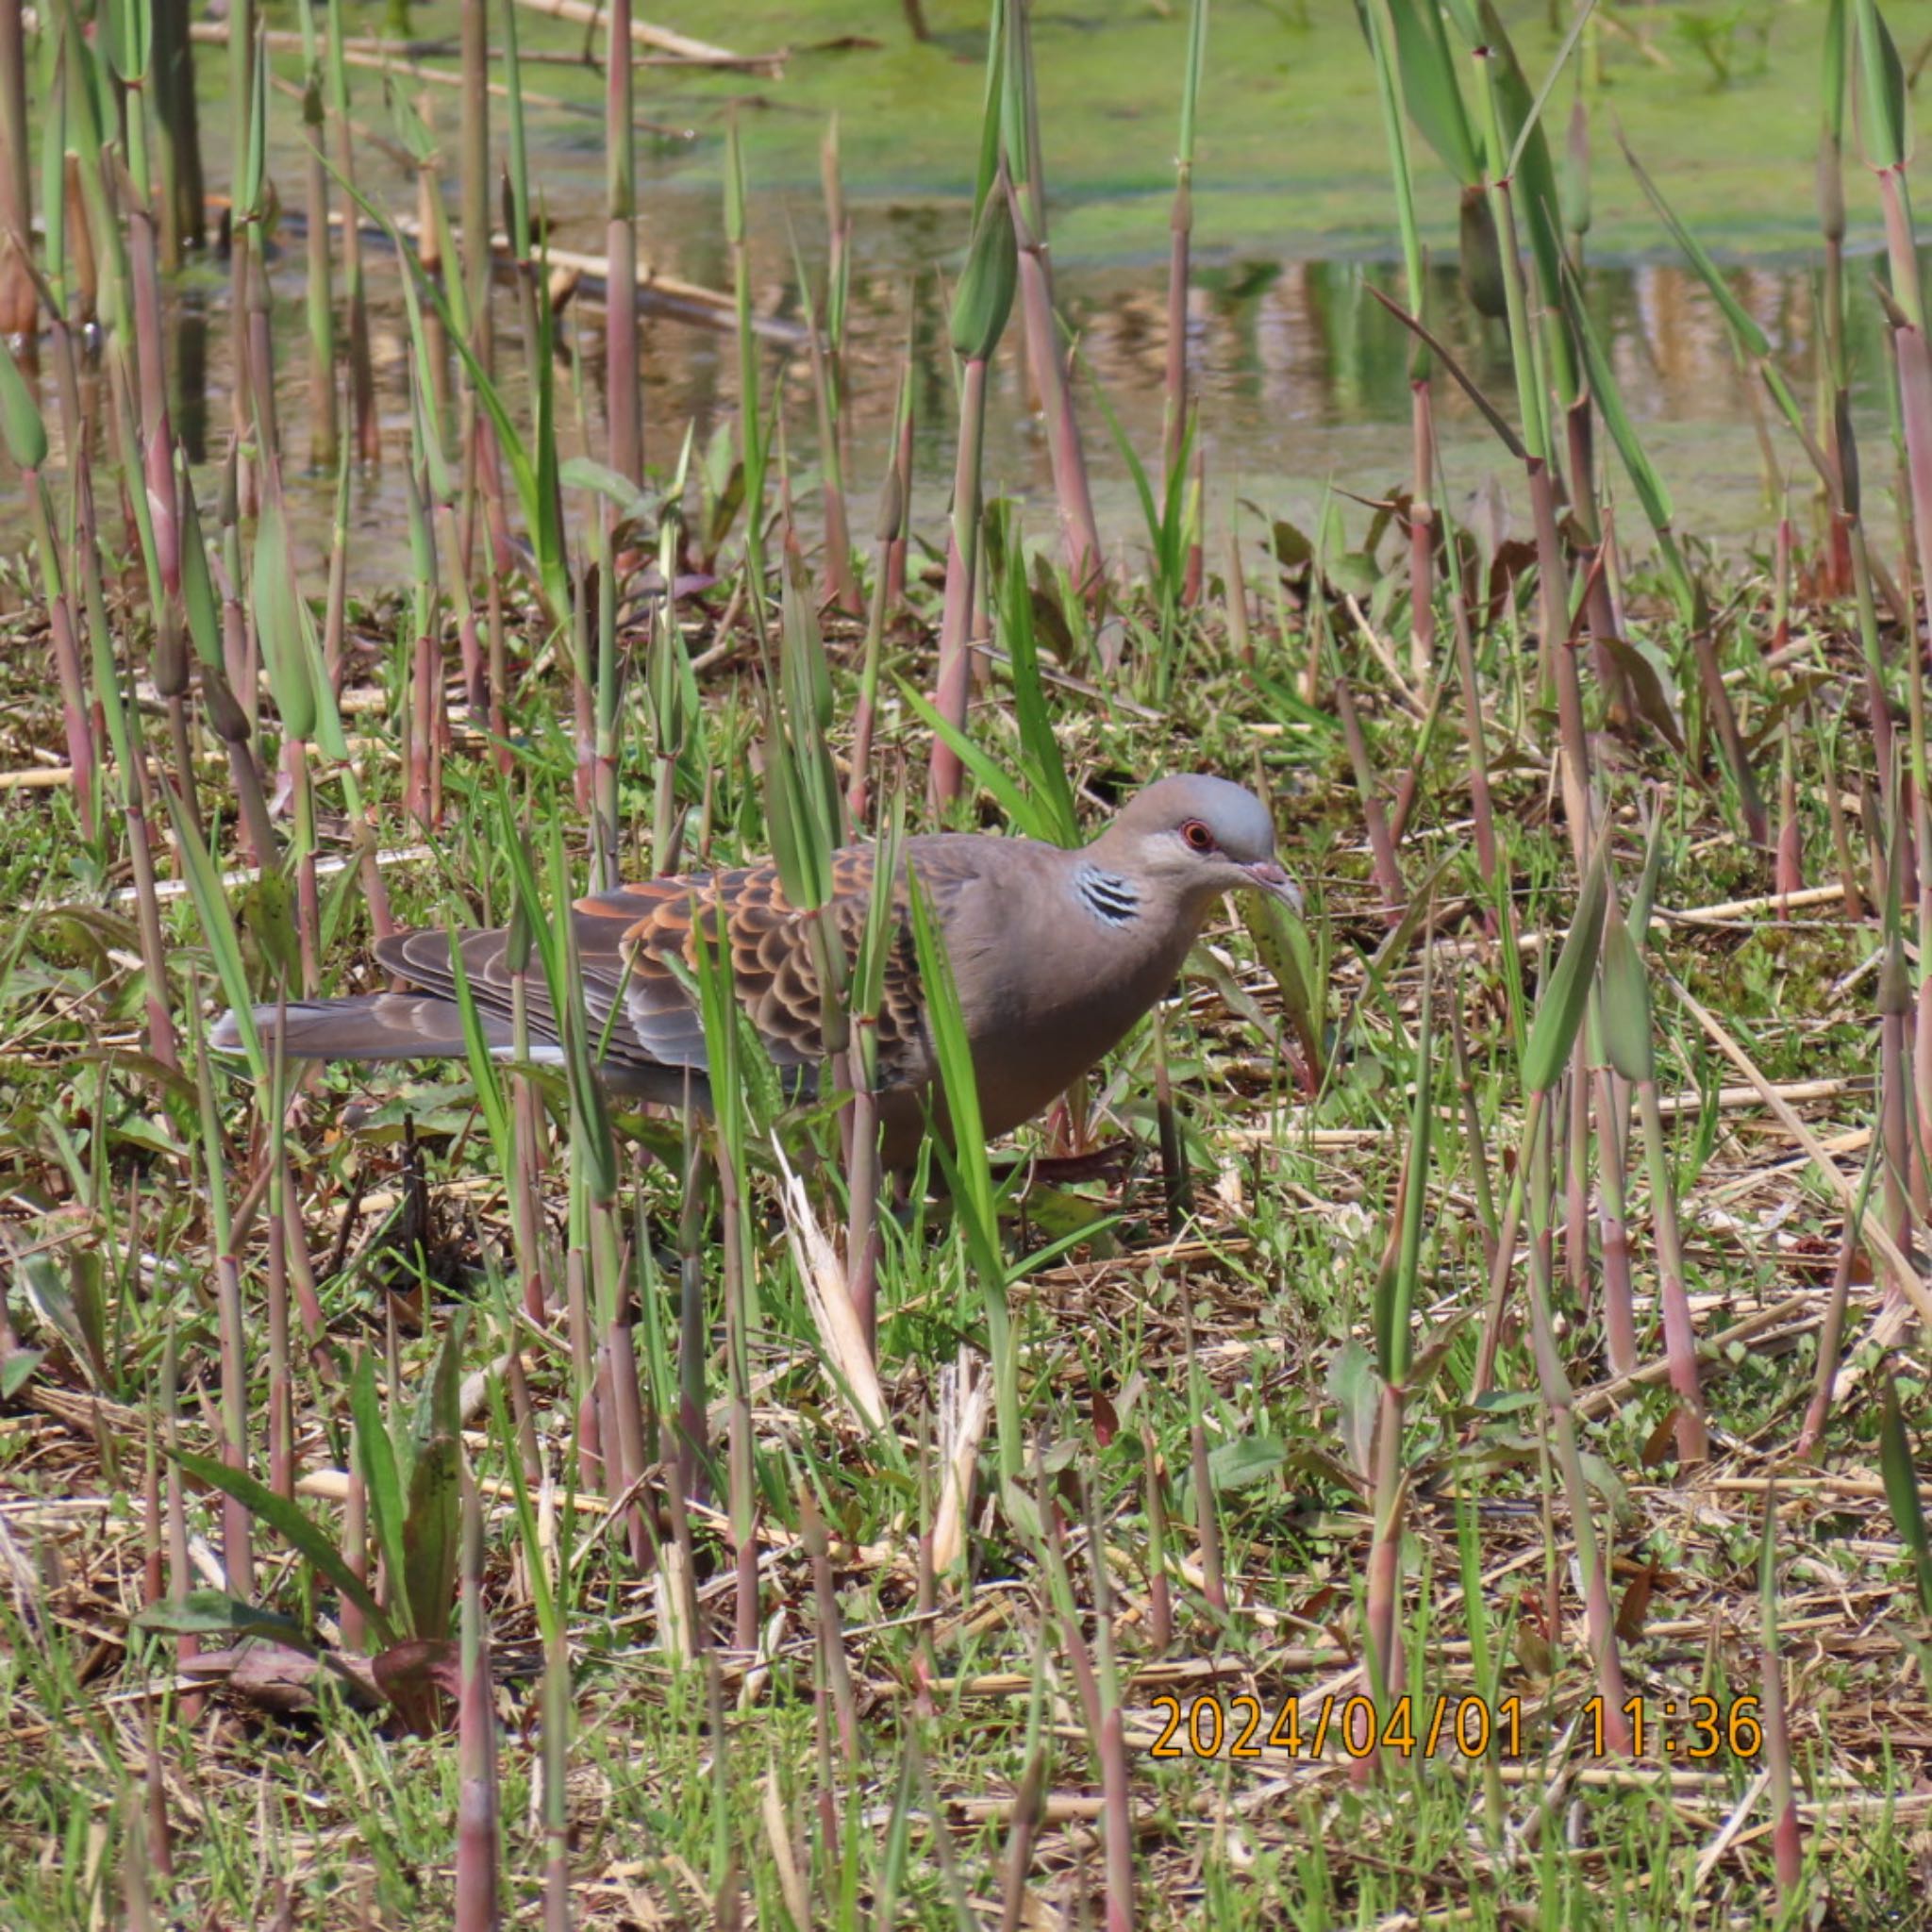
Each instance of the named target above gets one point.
<point>637,953</point>
<point>422,958</point>
<point>774,966</point>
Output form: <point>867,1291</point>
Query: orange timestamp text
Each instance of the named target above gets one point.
<point>1243,1726</point>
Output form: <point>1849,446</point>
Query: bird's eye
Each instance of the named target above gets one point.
<point>1198,837</point>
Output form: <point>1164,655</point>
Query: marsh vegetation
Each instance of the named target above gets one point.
<point>1311,1477</point>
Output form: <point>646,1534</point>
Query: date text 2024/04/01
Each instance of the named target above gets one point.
<point>1697,1728</point>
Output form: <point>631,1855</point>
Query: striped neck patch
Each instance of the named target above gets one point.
<point>1107,895</point>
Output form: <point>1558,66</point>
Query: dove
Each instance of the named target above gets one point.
<point>1056,953</point>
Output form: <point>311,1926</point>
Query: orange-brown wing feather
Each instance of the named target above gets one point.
<point>637,951</point>
<point>645,935</point>
<point>656,924</point>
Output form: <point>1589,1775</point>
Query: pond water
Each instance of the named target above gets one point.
<point>1301,377</point>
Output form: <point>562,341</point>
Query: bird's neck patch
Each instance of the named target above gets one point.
<point>1107,895</point>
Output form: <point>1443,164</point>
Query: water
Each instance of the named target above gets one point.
<point>1300,375</point>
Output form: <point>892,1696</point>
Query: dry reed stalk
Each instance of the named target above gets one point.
<point>841,1323</point>
<point>623,387</point>
<point>1374,815</point>
<point>19,302</point>
<point>1045,350</point>
<point>740,1471</point>
<point>965,1402</point>
<point>828,349</point>
<point>954,685</point>
<point>829,1628</point>
<point>478,1819</point>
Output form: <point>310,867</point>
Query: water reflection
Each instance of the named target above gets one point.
<point>1300,375</point>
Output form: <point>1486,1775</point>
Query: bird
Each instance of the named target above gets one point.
<point>1056,952</point>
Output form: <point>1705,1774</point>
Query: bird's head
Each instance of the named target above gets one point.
<point>1200,837</point>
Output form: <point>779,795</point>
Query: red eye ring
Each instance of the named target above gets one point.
<point>1197,837</point>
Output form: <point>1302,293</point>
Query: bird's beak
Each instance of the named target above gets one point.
<point>1270,879</point>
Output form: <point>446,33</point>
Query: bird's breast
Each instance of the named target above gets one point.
<point>1047,1029</point>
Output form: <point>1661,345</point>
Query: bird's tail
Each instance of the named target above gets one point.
<point>370,1027</point>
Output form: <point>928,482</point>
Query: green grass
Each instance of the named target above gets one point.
<point>744,1691</point>
<point>1282,164</point>
<point>1278,1275</point>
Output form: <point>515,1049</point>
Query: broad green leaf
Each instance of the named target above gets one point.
<point>20,416</point>
<point>1644,895</point>
<point>278,622</point>
<point>1358,1392</point>
<point>382,1483</point>
<point>803,799</point>
<point>17,1370</point>
<point>990,113</point>
<point>1652,682</point>
<point>289,1522</point>
<point>433,1528</point>
<point>1531,168</point>
<point>1902,1491</point>
<point>983,298</point>
<point>1023,1512</point>
<point>1884,122</point>
<point>961,1154</point>
<point>866,988</point>
<point>217,929</point>
<point>1024,812</point>
<point>1626,1017</point>
<point>197,587</point>
<point>1566,991</point>
<point>483,1068</point>
<point>586,472</point>
<point>1429,87</point>
<point>1245,1461</point>
<point>1281,938</point>
<point>958,1083</point>
<point>1046,769</point>
<point>591,1139</point>
<point>205,1612</point>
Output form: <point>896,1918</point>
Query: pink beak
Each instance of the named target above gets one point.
<point>1270,879</point>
